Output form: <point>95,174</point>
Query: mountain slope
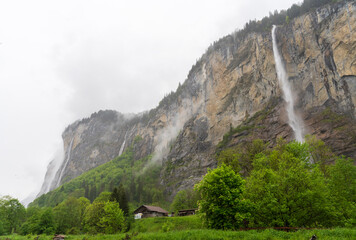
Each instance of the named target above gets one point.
<point>232,82</point>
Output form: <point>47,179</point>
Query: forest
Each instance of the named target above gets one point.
<point>290,185</point>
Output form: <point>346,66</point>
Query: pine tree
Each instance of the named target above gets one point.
<point>123,201</point>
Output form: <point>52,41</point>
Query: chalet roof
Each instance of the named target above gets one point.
<point>150,208</point>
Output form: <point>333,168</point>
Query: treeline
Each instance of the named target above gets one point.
<point>291,185</point>
<point>284,16</point>
<point>109,213</point>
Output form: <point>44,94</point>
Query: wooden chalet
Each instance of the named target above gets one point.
<point>149,211</point>
<point>59,237</point>
<point>186,212</point>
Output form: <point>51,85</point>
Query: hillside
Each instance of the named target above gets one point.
<point>232,87</point>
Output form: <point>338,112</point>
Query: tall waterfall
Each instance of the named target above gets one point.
<point>123,145</point>
<point>65,163</point>
<point>52,169</point>
<point>294,121</point>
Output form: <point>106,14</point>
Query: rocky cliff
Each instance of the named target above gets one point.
<point>235,83</point>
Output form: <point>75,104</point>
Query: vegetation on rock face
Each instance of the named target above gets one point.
<point>141,182</point>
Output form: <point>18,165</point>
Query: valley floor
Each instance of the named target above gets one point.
<point>191,228</point>
<point>200,234</point>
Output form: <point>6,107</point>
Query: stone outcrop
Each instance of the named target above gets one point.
<point>234,80</point>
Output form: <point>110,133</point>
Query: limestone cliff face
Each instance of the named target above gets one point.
<point>232,81</point>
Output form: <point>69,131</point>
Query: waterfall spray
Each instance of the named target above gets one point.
<point>294,121</point>
<point>66,162</point>
<point>123,145</point>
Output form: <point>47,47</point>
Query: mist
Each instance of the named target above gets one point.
<point>63,60</point>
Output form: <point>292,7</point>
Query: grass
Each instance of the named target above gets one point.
<point>167,224</point>
<point>205,234</point>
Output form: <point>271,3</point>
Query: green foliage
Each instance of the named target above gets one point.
<point>199,234</point>
<point>119,195</point>
<point>143,186</point>
<point>46,222</point>
<point>173,223</point>
<point>227,137</point>
<point>113,219</point>
<point>288,191</point>
<point>240,158</point>
<point>69,214</point>
<point>342,184</point>
<point>222,204</point>
<point>92,216</point>
<point>31,226</point>
<point>103,197</point>
<point>185,199</point>
<point>12,214</point>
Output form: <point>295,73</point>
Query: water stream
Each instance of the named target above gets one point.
<point>123,145</point>
<point>294,121</point>
<point>66,162</point>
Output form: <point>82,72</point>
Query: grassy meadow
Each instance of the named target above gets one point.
<point>191,227</point>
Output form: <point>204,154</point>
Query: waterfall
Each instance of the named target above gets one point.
<point>66,163</point>
<point>294,121</point>
<point>123,145</point>
<point>52,169</point>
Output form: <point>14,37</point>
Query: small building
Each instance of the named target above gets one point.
<point>186,212</point>
<point>59,237</point>
<point>149,211</point>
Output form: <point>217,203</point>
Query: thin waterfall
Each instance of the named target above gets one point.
<point>123,145</point>
<point>294,121</point>
<point>66,162</point>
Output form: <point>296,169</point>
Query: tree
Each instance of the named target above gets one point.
<point>119,195</point>
<point>113,219</point>
<point>287,190</point>
<point>123,201</point>
<point>185,199</point>
<point>12,214</point>
<point>46,222</point>
<point>92,216</point>
<point>103,197</point>
<point>342,184</point>
<point>69,214</point>
<point>221,201</point>
<point>31,226</point>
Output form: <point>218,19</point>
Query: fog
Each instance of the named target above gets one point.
<point>63,60</point>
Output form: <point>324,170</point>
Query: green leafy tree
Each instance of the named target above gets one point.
<point>289,191</point>
<point>185,199</point>
<point>103,197</point>
<point>31,226</point>
<point>46,222</point>
<point>342,184</point>
<point>12,214</point>
<point>113,219</point>
<point>221,201</point>
<point>92,216</point>
<point>69,214</point>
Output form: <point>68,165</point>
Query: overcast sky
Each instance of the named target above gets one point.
<point>63,60</point>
